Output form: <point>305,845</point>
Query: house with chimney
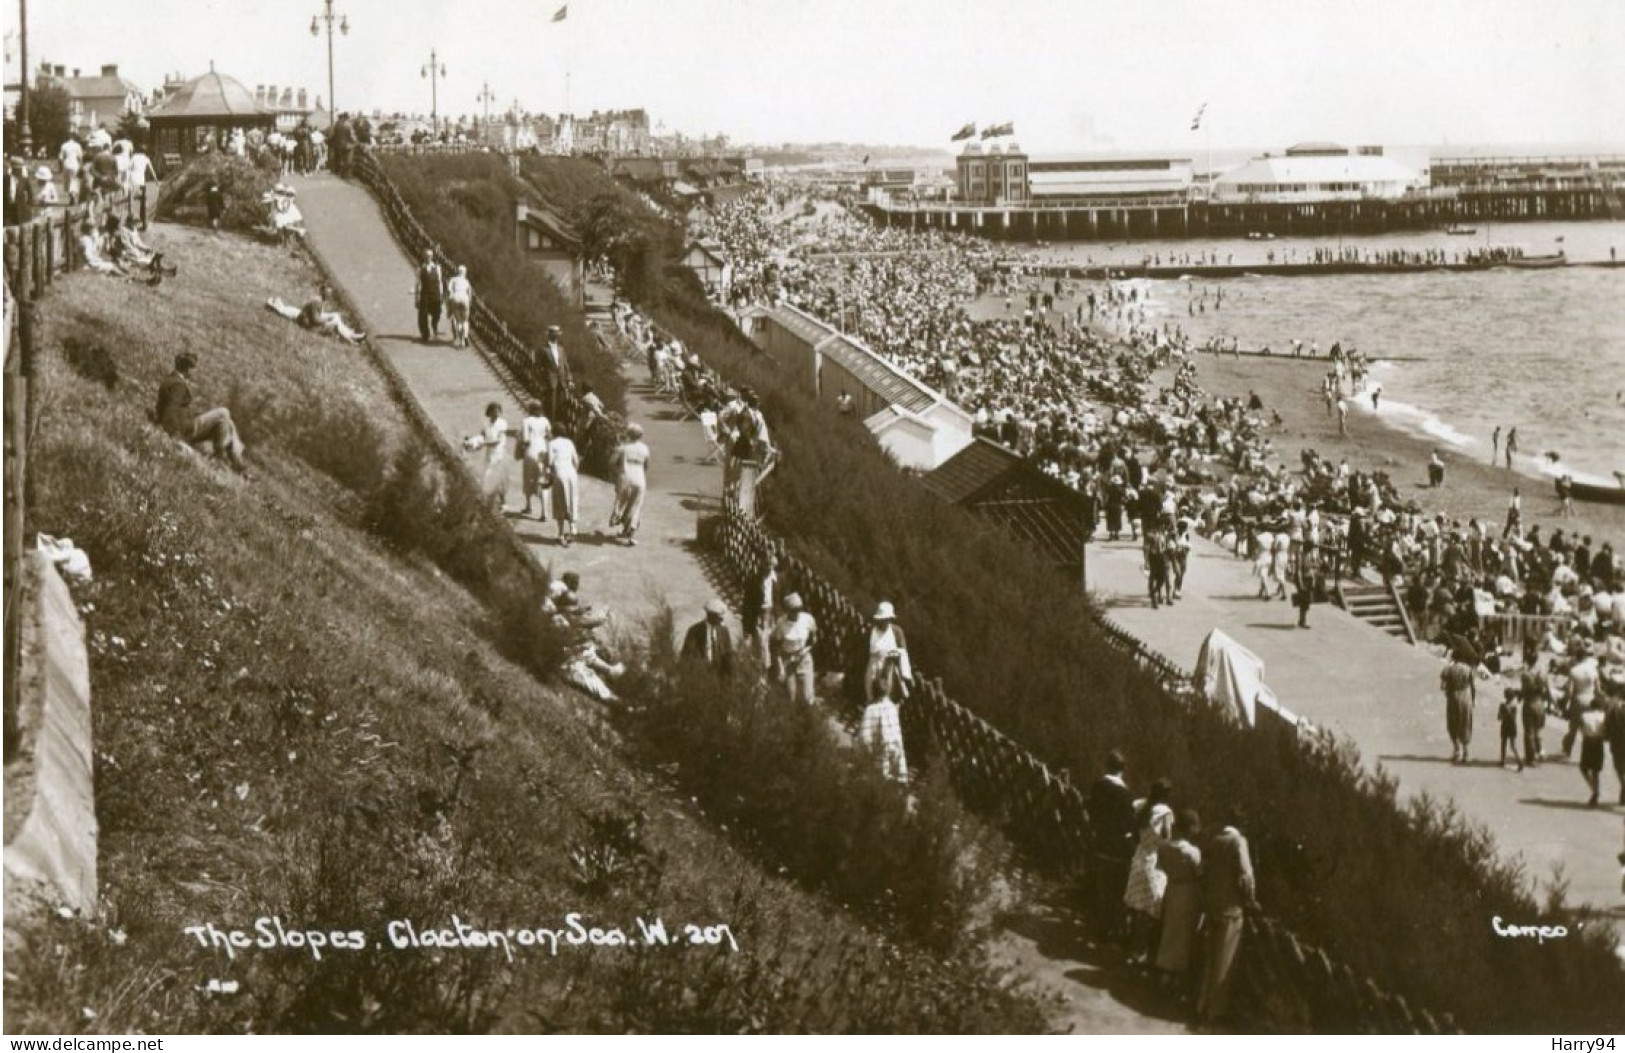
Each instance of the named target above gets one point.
<point>95,101</point>
<point>292,107</point>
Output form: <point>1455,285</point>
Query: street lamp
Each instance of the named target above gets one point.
<point>25,138</point>
<point>434,72</point>
<point>316,31</point>
<point>487,98</point>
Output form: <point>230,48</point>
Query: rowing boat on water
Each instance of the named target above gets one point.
<point>1537,263</point>
<point>1599,492</point>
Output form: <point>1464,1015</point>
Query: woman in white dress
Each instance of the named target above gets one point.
<point>493,440</point>
<point>632,483</point>
<point>887,644</point>
<point>564,463</point>
<point>881,729</point>
<point>534,431</point>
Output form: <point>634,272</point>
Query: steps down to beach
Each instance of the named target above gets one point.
<point>1376,605</point>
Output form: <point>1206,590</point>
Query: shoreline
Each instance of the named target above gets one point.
<point>1377,442</point>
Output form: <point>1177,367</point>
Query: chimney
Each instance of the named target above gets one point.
<point>76,73</point>
<point>259,94</point>
<point>62,71</point>
<point>287,98</point>
<point>110,71</point>
<point>270,95</point>
<point>302,105</point>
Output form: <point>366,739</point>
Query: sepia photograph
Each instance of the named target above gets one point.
<point>907,517</point>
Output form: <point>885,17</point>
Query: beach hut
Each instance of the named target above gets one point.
<point>200,114</point>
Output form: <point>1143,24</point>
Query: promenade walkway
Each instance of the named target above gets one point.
<point>1383,694</point>
<point>453,385</point>
<point>1044,946</point>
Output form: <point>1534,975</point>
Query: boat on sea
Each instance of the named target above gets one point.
<point>1457,228</point>
<point>1600,493</point>
<point>1537,263</point>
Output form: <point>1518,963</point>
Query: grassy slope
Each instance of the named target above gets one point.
<point>293,720</point>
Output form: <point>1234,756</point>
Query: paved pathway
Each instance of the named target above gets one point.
<point>1384,694</point>
<point>454,385</point>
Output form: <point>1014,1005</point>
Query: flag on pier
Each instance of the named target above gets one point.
<point>562,13</point>
<point>1196,122</point>
<point>995,130</point>
<point>967,132</point>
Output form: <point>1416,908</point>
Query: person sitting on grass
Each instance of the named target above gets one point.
<point>212,428</point>
<point>90,247</point>
<point>128,251</point>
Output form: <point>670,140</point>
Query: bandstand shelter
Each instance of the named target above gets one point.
<point>203,111</point>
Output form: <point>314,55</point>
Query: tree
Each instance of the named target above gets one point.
<point>48,116</point>
<point>134,127</point>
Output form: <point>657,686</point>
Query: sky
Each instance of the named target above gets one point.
<point>1070,74</point>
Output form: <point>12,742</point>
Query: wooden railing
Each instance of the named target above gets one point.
<point>48,245</point>
<point>18,374</point>
<point>1294,985</point>
<point>523,368</point>
<point>35,253</point>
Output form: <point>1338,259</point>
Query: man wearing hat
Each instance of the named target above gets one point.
<point>709,641</point>
<point>793,640</point>
<point>429,295</point>
<point>557,367</point>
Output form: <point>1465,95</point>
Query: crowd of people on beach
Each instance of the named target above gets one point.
<point>1083,385</point>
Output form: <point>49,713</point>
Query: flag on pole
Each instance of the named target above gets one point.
<point>967,132</point>
<point>994,130</point>
<point>562,13</point>
<point>1196,122</point>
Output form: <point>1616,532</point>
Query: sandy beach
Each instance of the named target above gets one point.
<point>1471,487</point>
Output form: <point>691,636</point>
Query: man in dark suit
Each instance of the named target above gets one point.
<point>761,598</point>
<point>1111,824</point>
<point>1227,894</point>
<point>709,641</point>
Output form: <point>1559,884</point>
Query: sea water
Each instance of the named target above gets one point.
<point>1539,350</point>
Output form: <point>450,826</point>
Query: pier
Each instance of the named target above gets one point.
<point>1175,216</point>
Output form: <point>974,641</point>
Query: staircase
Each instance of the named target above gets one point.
<point>1377,604</point>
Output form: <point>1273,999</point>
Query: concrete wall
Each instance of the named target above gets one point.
<point>51,828</point>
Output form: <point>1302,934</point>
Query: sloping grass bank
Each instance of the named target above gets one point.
<point>1402,894</point>
<point>301,715</point>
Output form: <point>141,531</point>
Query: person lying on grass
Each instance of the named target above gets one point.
<point>316,316</point>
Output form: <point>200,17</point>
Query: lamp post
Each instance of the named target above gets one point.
<point>434,72</point>
<point>316,20</point>
<point>487,99</point>
<point>25,138</point>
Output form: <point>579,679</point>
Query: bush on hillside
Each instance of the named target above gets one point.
<point>776,774</point>
<point>181,196</point>
<point>990,617</point>
<point>466,204</point>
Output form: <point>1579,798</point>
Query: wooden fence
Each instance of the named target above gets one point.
<point>524,369</point>
<point>18,374</point>
<point>35,253</point>
<point>1292,986</point>
<point>48,245</point>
